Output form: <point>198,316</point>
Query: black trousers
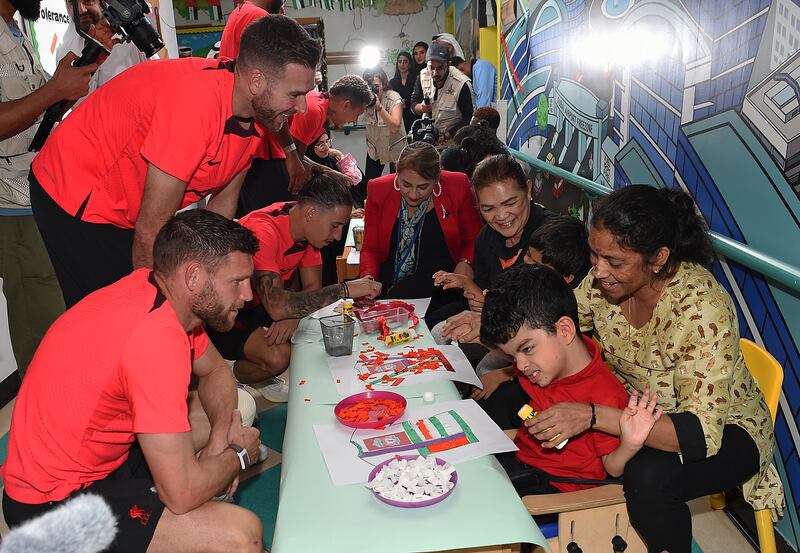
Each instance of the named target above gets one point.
<point>85,256</point>
<point>374,169</point>
<point>657,486</point>
<point>266,182</point>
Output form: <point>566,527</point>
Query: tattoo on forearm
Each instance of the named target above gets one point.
<point>288,304</point>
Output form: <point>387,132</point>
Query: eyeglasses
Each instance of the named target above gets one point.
<point>324,142</point>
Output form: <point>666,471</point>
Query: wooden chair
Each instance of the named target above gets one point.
<point>768,373</point>
<point>589,518</point>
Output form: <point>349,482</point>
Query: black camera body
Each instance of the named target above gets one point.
<point>422,130</point>
<point>369,76</point>
<point>127,17</point>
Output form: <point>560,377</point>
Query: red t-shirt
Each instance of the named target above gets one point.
<point>307,127</point>
<point>582,456</point>
<point>96,381</point>
<point>242,16</point>
<point>95,161</point>
<point>277,251</point>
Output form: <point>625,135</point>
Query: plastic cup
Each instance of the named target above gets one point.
<point>337,334</point>
<point>358,237</point>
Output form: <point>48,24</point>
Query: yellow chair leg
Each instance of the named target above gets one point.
<point>717,501</point>
<point>766,533</point>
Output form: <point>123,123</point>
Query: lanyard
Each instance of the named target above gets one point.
<point>408,251</point>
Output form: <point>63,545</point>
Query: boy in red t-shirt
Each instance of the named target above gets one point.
<point>531,314</point>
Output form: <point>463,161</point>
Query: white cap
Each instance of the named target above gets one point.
<point>451,40</point>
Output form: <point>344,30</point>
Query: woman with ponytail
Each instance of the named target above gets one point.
<point>666,325</point>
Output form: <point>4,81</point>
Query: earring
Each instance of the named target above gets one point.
<point>656,271</point>
<point>396,186</point>
<point>440,190</point>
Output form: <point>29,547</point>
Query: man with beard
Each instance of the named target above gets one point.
<point>290,235</point>
<point>118,422</point>
<point>346,101</point>
<point>159,137</point>
<point>449,90</point>
<point>90,18</point>
<point>29,283</point>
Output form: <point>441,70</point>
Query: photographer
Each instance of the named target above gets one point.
<point>29,283</point>
<point>450,93</point>
<point>385,129</point>
<point>90,17</point>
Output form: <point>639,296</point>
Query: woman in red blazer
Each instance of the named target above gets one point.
<point>417,222</point>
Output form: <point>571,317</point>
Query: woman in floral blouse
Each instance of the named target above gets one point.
<point>667,325</point>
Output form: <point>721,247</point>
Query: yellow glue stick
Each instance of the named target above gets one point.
<point>526,412</point>
<point>347,306</point>
<point>398,337</point>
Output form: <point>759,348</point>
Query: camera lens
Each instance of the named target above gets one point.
<point>145,37</point>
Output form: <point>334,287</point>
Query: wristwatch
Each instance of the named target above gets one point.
<point>241,453</point>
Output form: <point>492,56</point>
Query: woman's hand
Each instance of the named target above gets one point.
<point>337,154</point>
<point>560,422</point>
<point>638,418</point>
<point>475,298</point>
<point>357,213</point>
<point>491,381</point>
<point>450,280</point>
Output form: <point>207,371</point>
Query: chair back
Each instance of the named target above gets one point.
<point>766,370</point>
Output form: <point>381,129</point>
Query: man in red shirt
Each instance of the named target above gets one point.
<point>531,314</point>
<point>346,101</point>
<point>118,423</point>
<point>290,235</point>
<point>131,155</point>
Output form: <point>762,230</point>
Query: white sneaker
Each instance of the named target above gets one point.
<point>263,453</point>
<point>276,392</point>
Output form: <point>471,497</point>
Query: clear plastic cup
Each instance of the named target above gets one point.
<point>337,334</point>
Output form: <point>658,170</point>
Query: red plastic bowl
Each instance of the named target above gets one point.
<point>412,504</point>
<point>372,423</point>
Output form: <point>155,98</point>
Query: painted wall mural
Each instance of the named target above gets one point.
<point>698,94</point>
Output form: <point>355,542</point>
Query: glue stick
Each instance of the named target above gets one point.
<point>526,412</point>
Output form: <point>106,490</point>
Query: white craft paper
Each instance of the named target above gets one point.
<point>354,257</point>
<point>327,310</point>
<point>346,467</point>
<point>345,370</point>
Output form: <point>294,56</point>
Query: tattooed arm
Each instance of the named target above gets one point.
<point>281,303</point>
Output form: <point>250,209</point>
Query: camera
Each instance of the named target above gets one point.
<point>422,130</point>
<point>369,76</point>
<point>127,17</point>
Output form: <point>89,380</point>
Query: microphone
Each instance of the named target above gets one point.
<point>84,524</point>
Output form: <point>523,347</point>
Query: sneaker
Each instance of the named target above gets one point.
<point>263,453</point>
<point>277,391</point>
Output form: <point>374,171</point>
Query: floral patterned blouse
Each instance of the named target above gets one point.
<point>689,353</point>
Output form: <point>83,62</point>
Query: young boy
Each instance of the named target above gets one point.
<point>561,243</point>
<point>531,314</point>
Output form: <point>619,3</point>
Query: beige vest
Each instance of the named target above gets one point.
<point>444,109</point>
<point>20,74</point>
<point>383,145</point>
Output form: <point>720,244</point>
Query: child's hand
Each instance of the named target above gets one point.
<point>638,418</point>
<point>491,381</point>
<point>475,296</point>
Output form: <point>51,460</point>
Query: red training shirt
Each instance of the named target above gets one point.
<point>308,126</point>
<point>94,164</point>
<point>242,16</point>
<point>96,381</point>
<point>277,251</point>
<point>582,456</point>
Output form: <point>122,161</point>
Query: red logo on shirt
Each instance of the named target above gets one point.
<point>141,514</point>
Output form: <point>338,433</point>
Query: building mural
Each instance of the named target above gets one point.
<point>698,94</point>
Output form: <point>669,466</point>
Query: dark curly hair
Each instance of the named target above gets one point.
<point>644,219</point>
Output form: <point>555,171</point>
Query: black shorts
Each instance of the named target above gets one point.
<point>231,344</point>
<point>129,491</point>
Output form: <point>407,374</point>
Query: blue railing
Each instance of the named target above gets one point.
<point>772,268</point>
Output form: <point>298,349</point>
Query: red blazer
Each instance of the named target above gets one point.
<point>455,208</point>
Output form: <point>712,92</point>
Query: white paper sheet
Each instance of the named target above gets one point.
<point>327,310</point>
<point>459,422</point>
<point>397,370</point>
<point>354,257</point>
